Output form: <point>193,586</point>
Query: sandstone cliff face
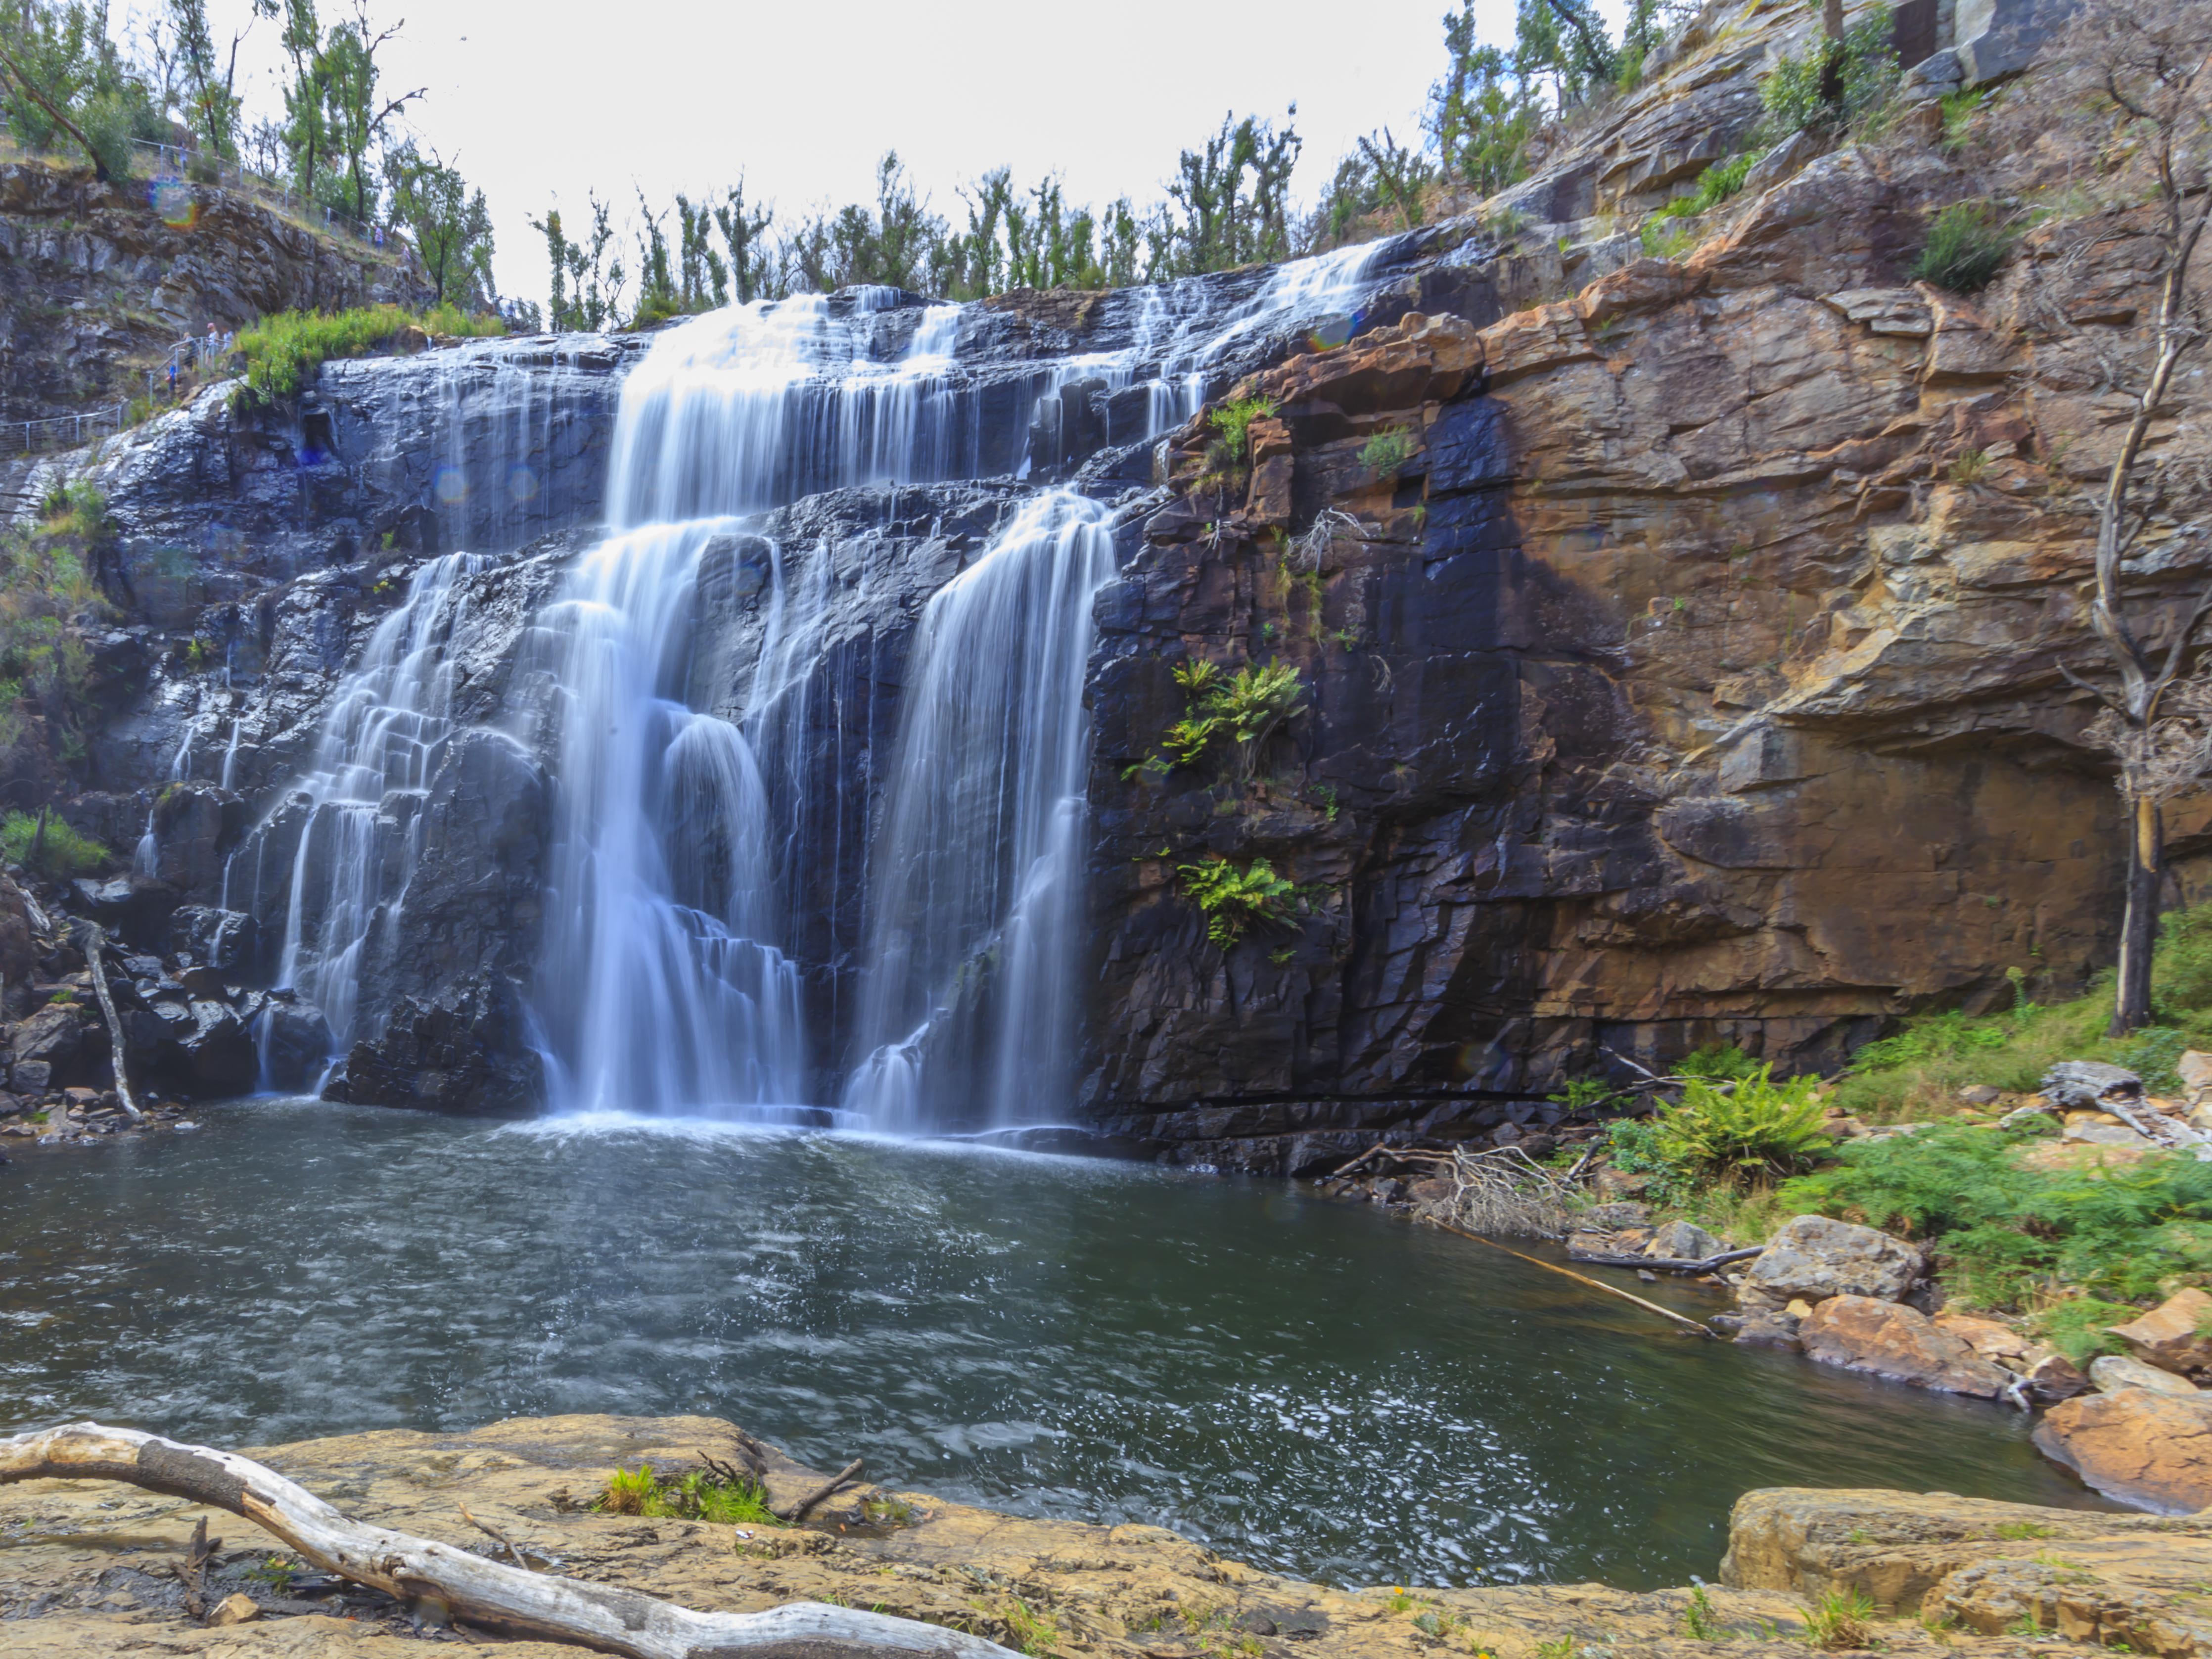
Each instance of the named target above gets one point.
<point>1695,679</point>
<point>98,281</point>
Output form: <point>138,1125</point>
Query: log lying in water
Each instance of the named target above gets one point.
<point>481,1592</point>
<point>1668,1264</point>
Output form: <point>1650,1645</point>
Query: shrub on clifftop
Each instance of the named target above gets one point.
<point>283,353</point>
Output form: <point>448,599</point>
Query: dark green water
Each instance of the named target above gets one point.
<point>1308,1385</point>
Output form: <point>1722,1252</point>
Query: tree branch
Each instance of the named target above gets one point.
<point>483,1592</point>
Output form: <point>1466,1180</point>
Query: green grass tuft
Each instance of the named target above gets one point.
<point>64,853</point>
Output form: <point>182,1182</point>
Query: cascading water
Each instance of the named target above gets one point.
<point>678,965</point>
<point>968,1002</point>
<point>666,985</point>
<point>356,847</point>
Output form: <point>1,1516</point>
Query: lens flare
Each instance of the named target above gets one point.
<point>174,200</point>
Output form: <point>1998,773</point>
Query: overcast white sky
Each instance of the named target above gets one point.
<point>541,103</point>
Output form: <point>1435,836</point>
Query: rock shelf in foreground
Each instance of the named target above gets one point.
<point>89,1568</point>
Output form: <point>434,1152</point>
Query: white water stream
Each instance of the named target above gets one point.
<point>669,980</point>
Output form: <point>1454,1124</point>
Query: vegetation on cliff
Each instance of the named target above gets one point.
<point>283,353</point>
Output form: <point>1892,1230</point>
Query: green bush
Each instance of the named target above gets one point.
<point>1387,452</point>
<point>1232,897</point>
<point>1745,1127</point>
<point>1246,707</point>
<point>1719,1060</point>
<point>2011,1231</point>
<point>1966,246</point>
<point>1715,185</point>
<point>62,853</point>
<point>1232,424</point>
<point>1791,90</point>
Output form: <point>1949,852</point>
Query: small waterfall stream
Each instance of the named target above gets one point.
<point>671,977</point>
<point>968,1008</point>
<point>379,744</point>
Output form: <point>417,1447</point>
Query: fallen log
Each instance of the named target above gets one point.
<point>1668,1264</point>
<point>510,1601</point>
<point>95,940</point>
<point>797,1512</point>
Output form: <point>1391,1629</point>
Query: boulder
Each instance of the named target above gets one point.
<point>1814,1257</point>
<point>2111,1372</point>
<point>296,1041</point>
<point>2000,38</point>
<point>2085,1085</point>
<point>2172,1336</point>
<point>218,1055</point>
<point>2054,1376</point>
<point>2138,1446</point>
<point>1683,1240</point>
<point>53,1034</point>
<point>1863,1334</point>
<point>1998,1343</point>
<point>222,939</point>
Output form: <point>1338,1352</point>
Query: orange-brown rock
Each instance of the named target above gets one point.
<point>1890,1340</point>
<point>2151,1450</point>
<point>89,1569</point>
<point>2172,1335</point>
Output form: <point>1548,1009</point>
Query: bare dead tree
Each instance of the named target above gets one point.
<point>2141,75</point>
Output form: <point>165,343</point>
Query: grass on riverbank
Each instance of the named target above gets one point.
<point>1919,1071</point>
<point>2067,1250</point>
<point>283,352</point>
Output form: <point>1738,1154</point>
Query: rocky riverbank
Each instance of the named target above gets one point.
<point>95,1570</point>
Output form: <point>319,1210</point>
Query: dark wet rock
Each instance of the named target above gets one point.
<point>295,1043</point>
<point>215,1051</point>
<point>223,940</point>
<point>466,1053</point>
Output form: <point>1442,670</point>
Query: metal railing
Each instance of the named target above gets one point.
<point>60,431</point>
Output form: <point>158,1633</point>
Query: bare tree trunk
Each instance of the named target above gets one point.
<point>1832,54</point>
<point>2139,928</point>
<point>481,1592</point>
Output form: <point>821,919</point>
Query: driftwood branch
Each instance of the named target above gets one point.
<point>1674,1264</point>
<point>507,1599</point>
<point>1706,1331</point>
<point>95,944</point>
<point>798,1511</point>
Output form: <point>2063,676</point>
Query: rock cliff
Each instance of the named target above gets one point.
<point>1681,641</point>
<point>97,282</point>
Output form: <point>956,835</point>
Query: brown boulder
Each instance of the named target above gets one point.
<point>2171,1336</point>
<point>1886,1339</point>
<point>2153,1450</point>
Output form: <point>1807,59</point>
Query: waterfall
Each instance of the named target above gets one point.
<point>665,984</point>
<point>967,1008</point>
<point>661,989</point>
<point>376,749</point>
<point>690,831</point>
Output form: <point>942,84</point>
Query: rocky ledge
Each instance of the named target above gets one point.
<point>94,1570</point>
